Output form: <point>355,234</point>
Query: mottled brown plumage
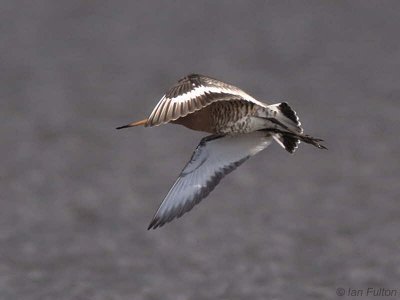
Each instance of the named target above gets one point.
<point>219,117</point>
<point>241,126</point>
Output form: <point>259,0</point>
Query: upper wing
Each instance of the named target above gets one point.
<point>192,93</point>
<point>213,158</point>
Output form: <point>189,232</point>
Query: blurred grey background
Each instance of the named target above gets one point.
<point>77,195</point>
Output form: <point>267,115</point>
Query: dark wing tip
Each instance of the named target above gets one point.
<point>154,224</point>
<point>193,75</point>
<point>190,77</point>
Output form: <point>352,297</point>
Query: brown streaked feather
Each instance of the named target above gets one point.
<point>174,110</point>
<point>166,114</point>
<point>203,100</point>
<point>158,117</point>
<point>192,93</point>
<point>190,105</point>
<point>185,106</point>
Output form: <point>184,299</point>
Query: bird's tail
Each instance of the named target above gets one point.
<point>285,117</point>
<point>288,132</point>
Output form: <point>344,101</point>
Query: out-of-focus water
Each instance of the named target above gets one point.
<point>77,195</point>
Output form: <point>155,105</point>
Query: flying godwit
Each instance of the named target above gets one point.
<point>240,127</point>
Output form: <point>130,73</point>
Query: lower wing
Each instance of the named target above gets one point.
<point>214,157</point>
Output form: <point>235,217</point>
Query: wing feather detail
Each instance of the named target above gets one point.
<point>214,158</point>
<point>193,93</point>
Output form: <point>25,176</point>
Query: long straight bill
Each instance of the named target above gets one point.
<point>133,124</point>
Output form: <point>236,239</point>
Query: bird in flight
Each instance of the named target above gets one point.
<point>240,127</point>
